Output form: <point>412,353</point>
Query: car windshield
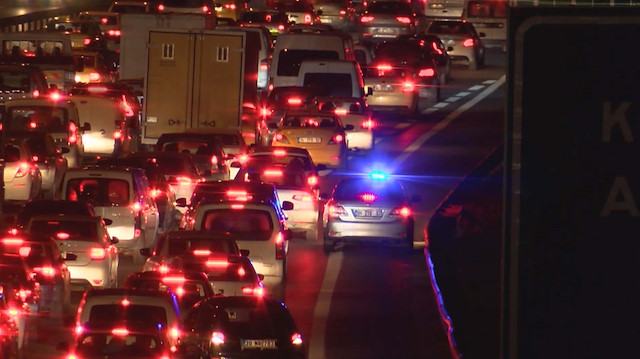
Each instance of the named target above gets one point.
<point>14,82</point>
<point>254,224</point>
<point>70,230</point>
<point>144,313</point>
<point>354,189</point>
<point>99,191</point>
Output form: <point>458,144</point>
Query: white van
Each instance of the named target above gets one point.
<point>107,119</point>
<point>292,49</point>
<point>266,50</point>
<point>336,78</point>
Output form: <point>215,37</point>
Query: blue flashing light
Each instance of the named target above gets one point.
<point>378,176</point>
<point>159,325</point>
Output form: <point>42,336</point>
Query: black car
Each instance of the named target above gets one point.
<point>49,206</point>
<point>246,326</point>
<point>206,149</point>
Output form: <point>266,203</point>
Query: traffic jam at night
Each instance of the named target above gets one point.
<point>315,179</point>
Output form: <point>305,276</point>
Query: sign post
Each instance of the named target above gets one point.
<point>572,198</point>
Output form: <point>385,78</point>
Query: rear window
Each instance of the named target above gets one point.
<point>329,84</point>
<point>173,166</point>
<point>186,246</point>
<point>15,82</point>
<point>352,190</point>
<point>290,59</point>
<point>255,224</point>
<point>11,153</point>
<point>106,192</point>
<point>295,161</point>
<point>262,321</point>
<point>448,28</point>
<point>38,118</point>
<point>132,312</point>
<point>281,176</point>
<point>66,230</point>
<point>309,121</point>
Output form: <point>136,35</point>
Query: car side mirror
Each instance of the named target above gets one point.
<point>415,198</point>
<point>321,167</point>
<point>107,221</point>
<point>349,127</point>
<point>287,206</point>
<point>114,240</point>
<point>272,126</point>
<point>86,127</point>
<point>181,202</point>
<point>369,91</point>
<point>70,257</point>
<point>482,34</point>
<point>244,252</point>
<point>145,252</point>
<point>261,276</point>
<point>449,48</point>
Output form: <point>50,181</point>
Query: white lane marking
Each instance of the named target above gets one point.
<point>323,305</point>
<point>445,122</point>
<point>476,88</point>
<point>452,99</point>
<point>489,82</point>
<point>463,94</point>
<point>440,105</point>
<point>430,110</point>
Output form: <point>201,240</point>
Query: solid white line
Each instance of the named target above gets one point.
<point>489,82</point>
<point>445,122</point>
<point>323,305</point>
<point>463,94</point>
<point>476,88</point>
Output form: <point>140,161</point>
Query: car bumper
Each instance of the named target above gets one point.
<point>360,140</point>
<point>366,230</point>
<point>391,100</point>
<point>302,220</point>
<point>95,275</point>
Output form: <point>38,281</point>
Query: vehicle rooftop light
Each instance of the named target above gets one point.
<point>378,175</point>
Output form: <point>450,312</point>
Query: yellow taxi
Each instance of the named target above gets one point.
<point>321,134</point>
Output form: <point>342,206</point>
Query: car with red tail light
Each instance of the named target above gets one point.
<point>21,293</point>
<point>352,111</point>
<point>120,339</point>
<point>257,227</point>
<point>373,208</point>
<point>204,7</point>
<point>89,251</point>
<point>109,23</point>
<point>121,194</point>
<point>96,67</point>
<point>115,305</point>
<point>44,259</point>
<point>22,179</point>
<point>242,326</point>
<point>188,286</point>
<point>386,20</point>
<point>50,206</point>
<point>196,244</point>
<point>55,115</point>
<point>84,34</point>
<point>22,81</point>
<point>320,133</point>
<point>281,100</point>
<point>463,43</point>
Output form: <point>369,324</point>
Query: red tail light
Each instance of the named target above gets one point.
<point>55,96</point>
<point>217,338</point>
<point>117,134</point>
<point>280,28</point>
<point>336,211</point>
<point>337,138</point>
<point>160,7</point>
<point>264,66</point>
<point>428,72</point>
<point>216,263</point>
<point>205,9</point>
<point>136,207</point>
<point>73,133</point>
<point>312,181</point>
<point>366,19</point>
<point>403,20</point>
<point>45,271</point>
<point>86,41</point>
<point>35,94</point>
<point>104,20</point>
<point>94,76</point>
<point>24,251</point>
<point>174,280</point>
<point>294,101</point>
<point>342,12</point>
<point>273,173</point>
<point>384,67</point>
<point>97,253</point>
<point>264,112</point>
<point>307,18</point>
<point>468,43</point>
<point>401,211</point>
<point>201,252</point>
<point>340,111</point>
<point>23,169</point>
<point>184,181</point>
<point>174,333</point>
<point>120,332</point>
<point>435,48</point>
<point>368,124</point>
<point>257,290</point>
<point>280,253</point>
<point>12,241</point>
<point>114,33</point>
<point>214,160</point>
<point>241,272</point>
<point>368,197</point>
<point>279,152</point>
<point>230,6</point>
<point>408,86</point>
<point>155,193</point>
<point>302,197</point>
<point>296,339</point>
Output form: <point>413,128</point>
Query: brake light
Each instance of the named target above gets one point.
<point>336,211</point>
<point>97,253</point>
<point>128,110</point>
<point>280,28</point>
<point>428,72</point>
<point>94,76</point>
<point>73,133</point>
<point>435,47</point>
<point>230,6</point>
<point>243,158</point>
<point>302,197</point>
<point>265,112</point>
<point>312,180</point>
<point>160,7</point>
<point>237,206</point>
<point>384,67</point>
<point>217,263</point>
<point>307,18</point>
<point>217,338</point>
<point>35,94</point>
<point>104,20</point>
<point>340,111</point>
<point>174,333</point>
<point>114,33</point>
<point>241,272</point>
<point>368,124</point>
<point>403,20</point>
<point>368,197</point>
<point>279,240</point>
<point>174,280</point>
<point>136,207</point>
<point>468,43</point>
<point>237,195</point>
<point>257,291</point>
<point>185,181</point>
<point>164,269</point>
<point>214,160</point>
<point>296,339</point>
<point>62,235</point>
<point>125,302</point>
<point>273,173</point>
<point>366,19</point>
<point>24,251</point>
<point>205,9</point>
<point>120,332</point>
<point>338,138</point>
<point>23,169</point>
<point>55,96</point>
<point>408,86</point>
<point>24,294</point>
<point>279,152</point>
<point>264,66</point>
<point>35,158</point>
<point>401,211</point>
<point>45,271</point>
<point>12,241</point>
<point>155,193</point>
<point>86,41</point>
<point>294,101</point>
<point>342,12</point>
<point>78,329</point>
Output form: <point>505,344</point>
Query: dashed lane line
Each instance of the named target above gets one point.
<point>476,87</point>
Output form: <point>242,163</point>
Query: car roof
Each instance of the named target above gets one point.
<point>66,217</point>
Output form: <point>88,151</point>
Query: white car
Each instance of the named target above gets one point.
<point>84,242</point>
<point>22,178</point>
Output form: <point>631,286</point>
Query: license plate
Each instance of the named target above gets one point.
<point>309,140</point>
<point>386,30</point>
<point>368,213</point>
<point>258,344</point>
